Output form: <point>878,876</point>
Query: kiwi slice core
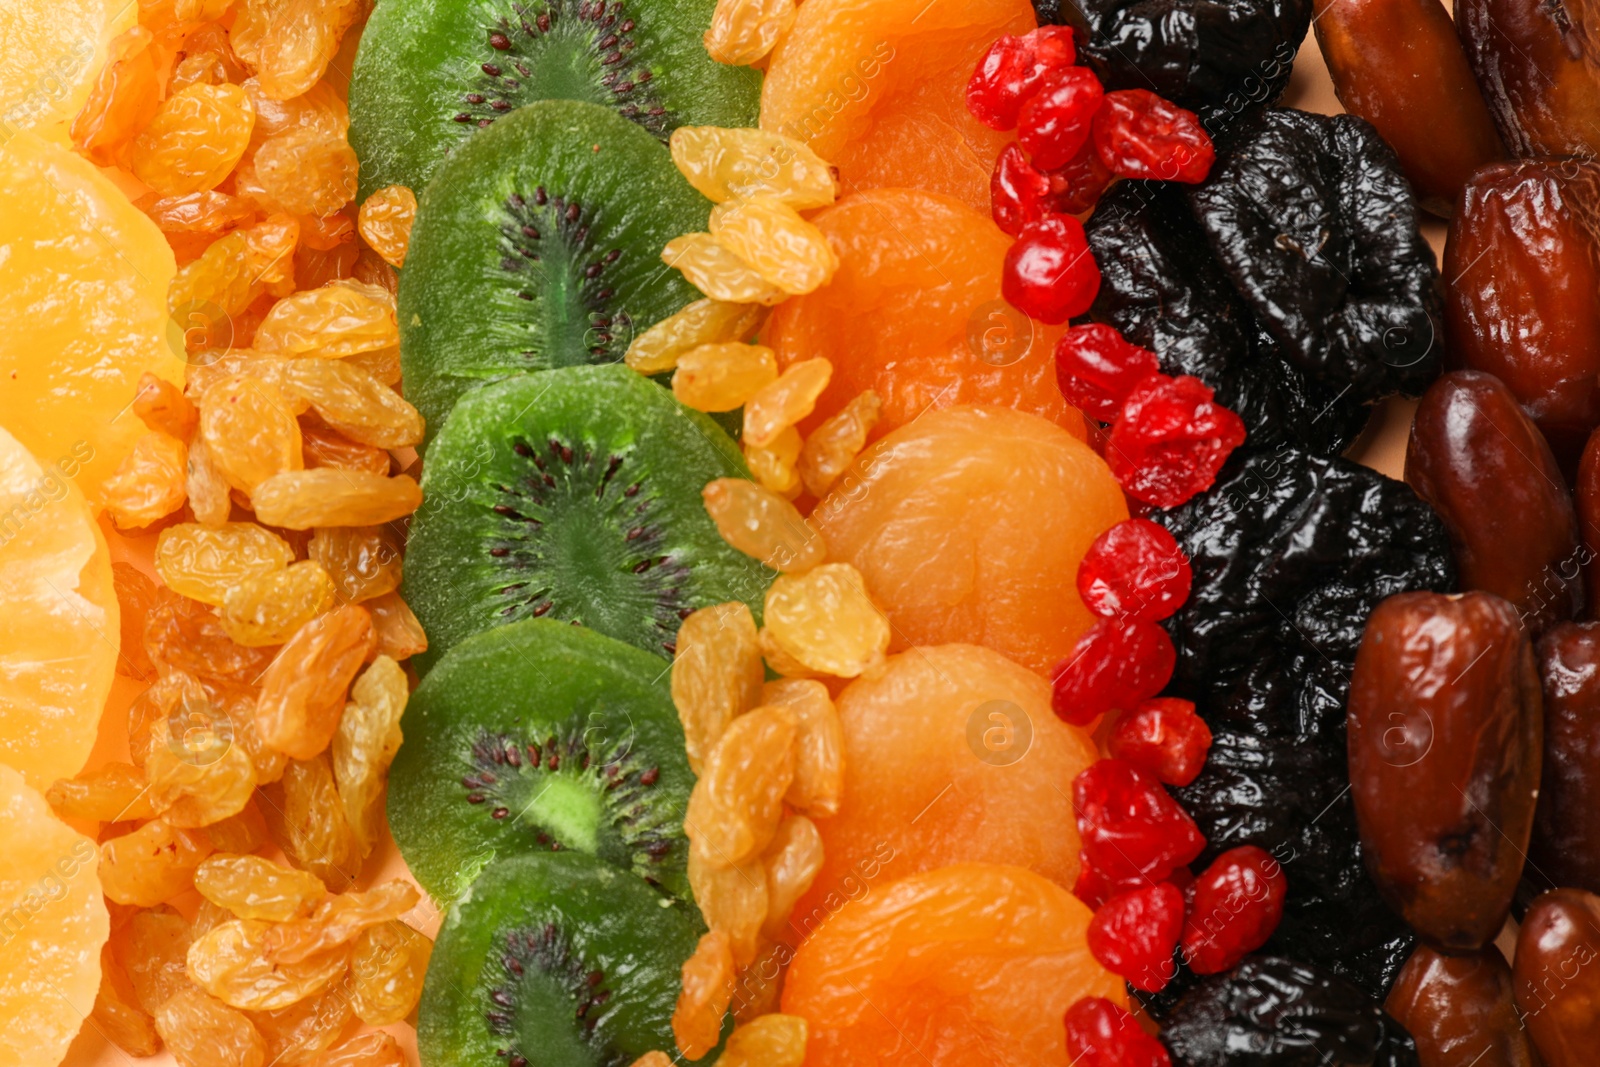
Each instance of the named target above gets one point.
<point>541,736</point>
<point>573,494</point>
<point>540,246</point>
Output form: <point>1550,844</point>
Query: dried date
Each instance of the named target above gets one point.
<point>1459,1009</point>
<point>1555,979</point>
<point>1566,827</point>
<point>1538,62</point>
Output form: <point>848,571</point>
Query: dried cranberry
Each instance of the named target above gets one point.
<point>1011,70</point>
<point>1171,440</point>
<point>1092,886</point>
<point>1235,906</point>
<point>1140,135</point>
<point>1136,571</point>
<point>1129,827</point>
<point>1097,369</point>
<point>1049,273</point>
<point>1019,192</point>
<point>1101,1034</point>
<point>1163,737</point>
<point>1117,664</point>
<point>1133,935</point>
<point>1077,185</point>
<point>1056,120</point>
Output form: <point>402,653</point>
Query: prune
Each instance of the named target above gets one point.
<point>1523,256</point>
<point>1487,470</point>
<point>1554,980</point>
<point>1216,57</point>
<point>1399,65</point>
<point>1540,73</point>
<point>1566,826</point>
<point>1291,552</point>
<point>1446,733</point>
<point>1273,1012</point>
<point>1458,1009</point>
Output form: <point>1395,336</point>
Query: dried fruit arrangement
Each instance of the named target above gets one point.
<point>870,479</point>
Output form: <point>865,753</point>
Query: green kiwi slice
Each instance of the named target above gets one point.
<point>537,737</point>
<point>573,494</point>
<point>554,959</point>
<point>429,74</point>
<point>540,246</point>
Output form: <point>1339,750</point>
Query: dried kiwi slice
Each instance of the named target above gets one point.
<point>536,737</point>
<point>430,73</point>
<point>540,246</point>
<point>573,494</point>
<point>554,959</point>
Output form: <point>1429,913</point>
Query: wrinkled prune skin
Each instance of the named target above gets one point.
<point>1566,827</point>
<point>1162,289</point>
<point>1538,62</point>
<point>1555,976</point>
<point>1273,1012</point>
<point>1215,57</point>
<point>1458,1009</point>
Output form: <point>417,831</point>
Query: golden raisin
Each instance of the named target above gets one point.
<point>307,171</point>
<point>173,694</point>
<point>716,674</point>
<point>339,920</point>
<point>735,806</point>
<point>703,322</point>
<point>786,401</point>
<point>254,888</point>
<point>365,744</point>
<point>244,832</point>
<point>198,775</point>
<point>137,597</point>
<point>319,107</point>
<point>124,99</point>
<point>194,140</point>
<point>728,164</point>
<point>835,444</point>
<point>308,822</point>
<point>211,368</point>
<point>768,1041</point>
<point>302,693</point>
<point>763,525</point>
<point>364,561</point>
<point>201,1031</point>
<point>718,273</point>
<point>233,272</point>
<point>304,1030</point>
<point>653,1058</point>
<point>233,963</point>
<point>298,43</point>
<point>325,447</point>
<point>187,638</point>
<point>115,792</point>
<point>734,901</point>
<point>250,431</point>
<point>150,483</point>
<point>337,320</point>
<point>302,500</point>
<point>152,864</point>
<point>721,377</point>
<point>117,1015</point>
<point>354,402</point>
<point>270,608</point>
<point>205,487</point>
<point>792,861</point>
<point>775,465</point>
<point>780,661</point>
<point>205,212</point>
<point>382,363</point>
<point>154,949</point>
<point>162,407</point>
<point>773,240</point>
<point>825,620</point>
<point>743,31</point>
<point>400,635</point>
<point>385,221</point>
<point>707,989</point>
<point>387,969</point>
<point>240,707</point>
<point>205,562</point>
<point>818,745</point>
<point>198,68</point>
<point>375,1049</point>
<point>758,990</point>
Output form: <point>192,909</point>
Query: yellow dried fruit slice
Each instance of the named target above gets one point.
<point>53,52</point>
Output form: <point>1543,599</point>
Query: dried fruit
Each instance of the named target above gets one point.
<point>152,864</point>
<point>703,322</point>
<point>1552,984</point>
<point>302,693</point>
<point>1131,830</point>
<point>125,97</point>
<point>1134,571</point>
<point>1134,932</point>
<point>204,563</point>
<point>197,774</point>
<point>835,444</point>
<point>340,920</point>
<point>770,1040</point>
<point>303,500</point>
<point>194,140</point>
<point>115,792</point>
<point>399,633</point>
<point>743,163</point>
<point>249,429</point>
<point>735,806</point>
<point>323,447</point>
<point>117,1015</point>
<point>355,403</point>
<point>763,525</point>
<point>818,746</point>
<point>149,485</point>
<point>1117,665</point>
<point>825,620</point>
<point>717,272</point>
<point>1450,1004</point>
<point>246,831</point>
<point>743,31</point>
<point>1103,1034</point>
<point>785,402</point>
<point>1020,193</point>
<point>153,947</point>
<point>1054,122</point>
<point>1537,71</point>
<point>792,860</point>
<point>1566,818</point>
<point>723,376</point>
<point>187,638</point>
<point>776,465</point>
<point>307,819</point>
<point>232,273</point>
<point>387,967</point>
<point>340,319</point>
<point>1235,905</point>
<point>270,608</point>
<point>201,1031</point>
<point>206,487</point>
<point>1097,369</point>
<point>254,888</point>
<point>385,222</point>
<point>301,1032</point>
<point>773,240</point>
<point>162,406</point>
<point>1164,738</point>
<point>1013,70</point>
<point>1049,273</point>
<point>707,989</point>
<point>716,675</point>
<point>365,1050</point>
<point>1170,440</point>
<point>234,963</point>
<point>364,746</point>
<point>137,596</point>
<point>1140,135</point>
<point>732,900</point>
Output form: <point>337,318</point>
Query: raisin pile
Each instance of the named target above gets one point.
<point>1293,281</point>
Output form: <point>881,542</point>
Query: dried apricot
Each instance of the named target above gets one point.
<point>716,674</point>
<point>302,693</point>
<point>204,563</point>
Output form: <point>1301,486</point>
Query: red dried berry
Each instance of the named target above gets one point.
<point>1133,935</point>
<point>1056,120</point>
<point>1019,192</point>
<point>1011,70</point>
<point>1129,827</point>
<point>1135,570</point>
<point>1092,886</point>
<point>1235,906</point>
<point>1141,135</point>
<point>1101,1034</point>
<point>1170,440</point>
<point>1116,665</point>
<point>1050,274</point>
<point>1097,369</point>
<point>1078,184</point>
<point>1163,737</point>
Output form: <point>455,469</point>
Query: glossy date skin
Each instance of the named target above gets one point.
<point>1556,977</point>
<point>1486,469</point>
<point>1399,65</point>
<point>1586,494</point>
<point>1445,732</point>
<point>1566,828</point>
<point>1538,63</point>
<point>1459,1010</point>
<point>1522,266</point>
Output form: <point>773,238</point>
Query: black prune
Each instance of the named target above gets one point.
<point>1217,57</point>
<point>1162,289</point>
<point>1273,1012</point>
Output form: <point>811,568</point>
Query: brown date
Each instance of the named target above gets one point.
<point>1444,735</point>
<point>1566,827</point>
<point>1556,977</point>
<point>1522,266</point>
<point>1475,456</point>
<point>1399,65</point>
<point>1586,491</point>
<point>1459,1010</point>
<point>1538,63</point>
